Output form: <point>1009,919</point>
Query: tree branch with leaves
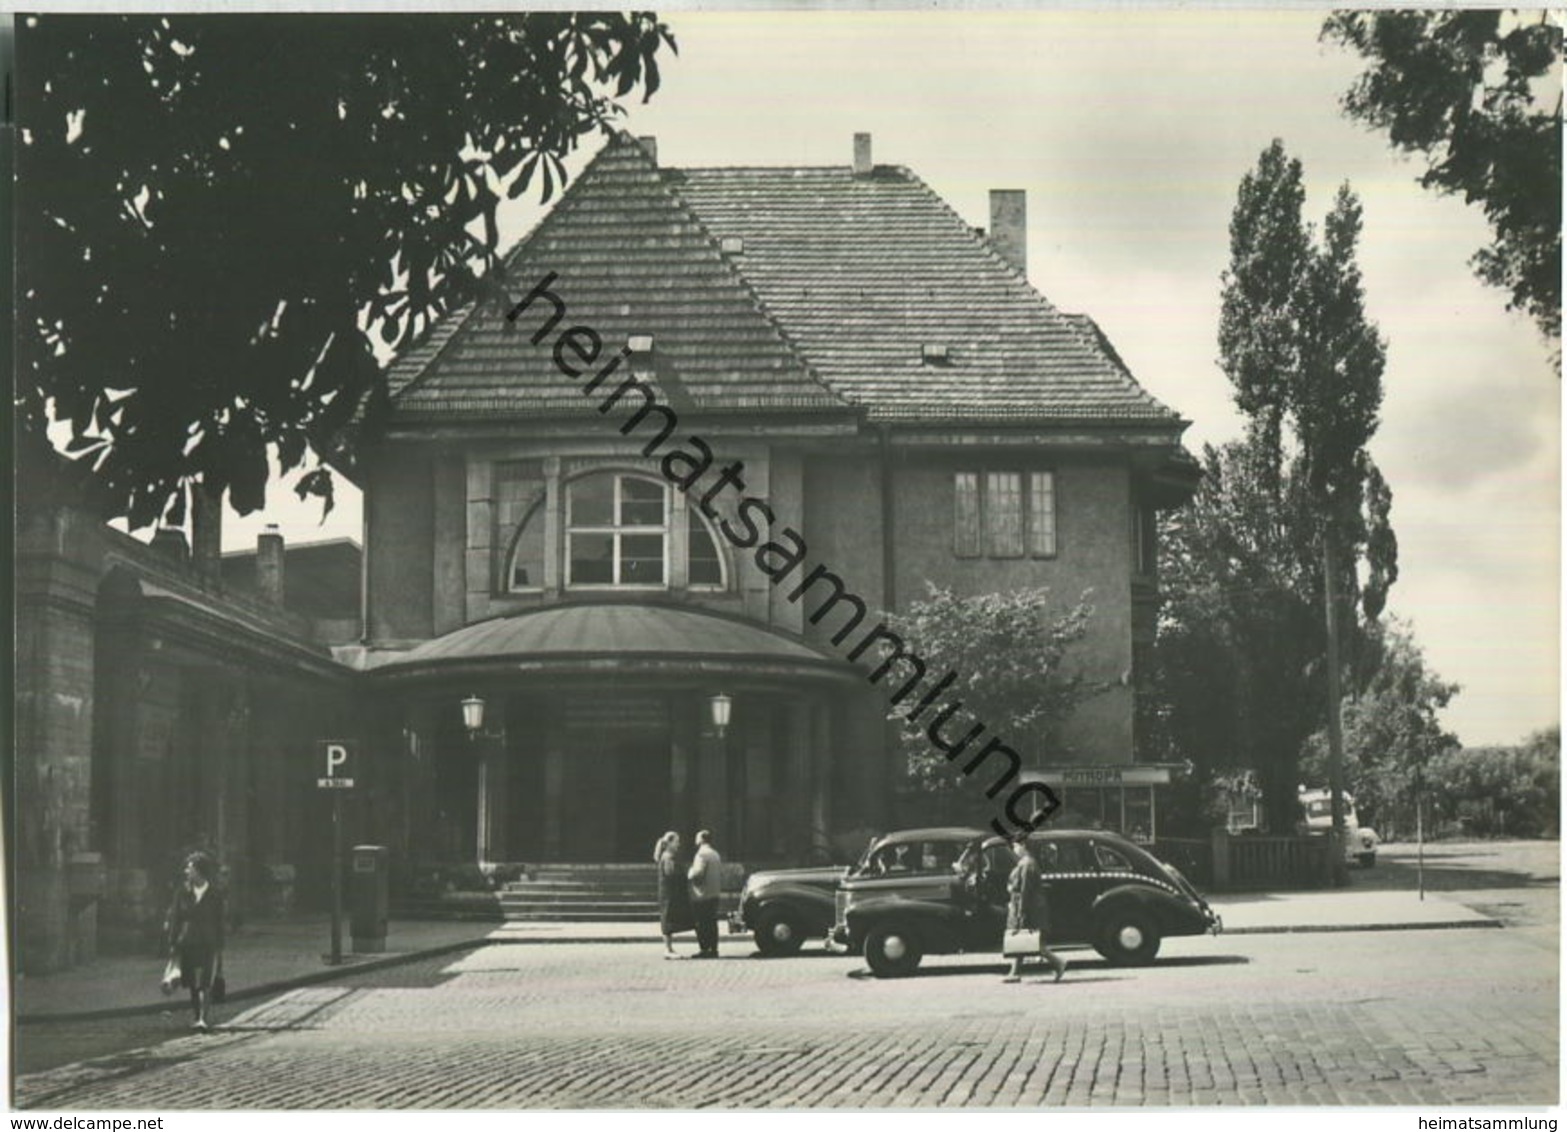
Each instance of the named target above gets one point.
<point>1479,93</point>
<point>216,215</point>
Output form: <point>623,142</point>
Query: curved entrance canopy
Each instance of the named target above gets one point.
<point>640,639</point>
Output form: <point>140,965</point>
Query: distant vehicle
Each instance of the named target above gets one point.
<point>1360,842</point>
<point>940,892</point>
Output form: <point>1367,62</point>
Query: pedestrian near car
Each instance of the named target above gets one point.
<point>194,932</point>
<point>707,885</point>
<point>1028,909</point>
<point>674,896</point>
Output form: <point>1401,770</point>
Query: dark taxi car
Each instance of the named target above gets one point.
<point>1104,891</point>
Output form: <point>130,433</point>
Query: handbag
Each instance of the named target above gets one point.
<point>220,986</point>
<point>1022,941</point>
<point>171,975</point>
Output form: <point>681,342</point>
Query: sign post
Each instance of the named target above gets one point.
<point>337,756</point>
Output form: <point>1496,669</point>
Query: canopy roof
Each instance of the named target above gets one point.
<point>614,637</point>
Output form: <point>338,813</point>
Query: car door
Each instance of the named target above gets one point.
<point>986,895</point>
<point>1072,884</point>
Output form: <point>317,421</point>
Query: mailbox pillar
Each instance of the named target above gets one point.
<point>368,898</point>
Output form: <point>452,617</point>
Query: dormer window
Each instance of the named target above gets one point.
<point>935,354</point>
<point>640,343</point>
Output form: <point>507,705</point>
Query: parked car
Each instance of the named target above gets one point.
<point>1360,842</point>
<point>1104,891</point>
<point>782,908</point>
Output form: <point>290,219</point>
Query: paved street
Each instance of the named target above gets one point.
<point>1427,1017</point>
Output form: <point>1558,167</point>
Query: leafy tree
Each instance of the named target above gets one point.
<point>1392,735</point>
<point>1238,653</point>
<point>216,213</point>
<point>1010,653</point>
<point>1479,93</point>
<point>1503,791</point>
<point>1294,505</point>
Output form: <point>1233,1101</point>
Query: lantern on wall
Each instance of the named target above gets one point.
<point>719,707</point>
<point>473,715</point>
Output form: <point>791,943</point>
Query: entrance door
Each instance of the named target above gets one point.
<point>613,791</point>
<point>642,798</point>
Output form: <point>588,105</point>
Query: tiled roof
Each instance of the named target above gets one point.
<point>629,259</point>
<point>864,271</point>
<point>839,283</point>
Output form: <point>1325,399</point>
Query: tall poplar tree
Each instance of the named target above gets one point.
<point>1296,508</point>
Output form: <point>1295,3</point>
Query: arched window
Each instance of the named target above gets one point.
<point>618,531</point>
<point>525,566</point>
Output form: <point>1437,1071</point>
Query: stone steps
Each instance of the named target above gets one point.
<point>566,893</point>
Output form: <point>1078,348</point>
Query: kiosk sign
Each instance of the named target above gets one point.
<point>337,762</point>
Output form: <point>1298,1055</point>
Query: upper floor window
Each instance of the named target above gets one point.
<point>618,530</point>
<point>1145,539</point>
<point>1000,514</point>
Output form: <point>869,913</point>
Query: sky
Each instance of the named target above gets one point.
<point>1130,132</point>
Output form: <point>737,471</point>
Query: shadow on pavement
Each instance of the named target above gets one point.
<point>940,971</point>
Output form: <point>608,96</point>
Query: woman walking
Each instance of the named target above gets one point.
<point>1029,909</point>
<point>674,897</point>
<point>195,932</point>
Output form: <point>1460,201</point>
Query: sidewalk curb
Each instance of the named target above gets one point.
<point>310,978</point>
<point>1435,925</point>
<point>178,1002</point>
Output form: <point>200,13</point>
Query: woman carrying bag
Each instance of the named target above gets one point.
<point>1028,915</point>
<point>195,935</point>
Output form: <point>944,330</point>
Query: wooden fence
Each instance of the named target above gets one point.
<point>1229,863</point>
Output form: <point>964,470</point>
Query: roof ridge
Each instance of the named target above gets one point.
<point>1097,337</point>
<point>761,307</point>
<point>621,141</point>
<point>1019,276</point>
<point>848,169</point>
<point>492,282</point>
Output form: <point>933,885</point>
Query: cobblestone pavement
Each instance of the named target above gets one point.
<point>1424,1017</point>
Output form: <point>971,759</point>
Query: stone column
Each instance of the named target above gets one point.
<point>684,729</point>
<point>821,775</point>
<point>55,650</point>
<point>798,806</point>
<point>554,785</point>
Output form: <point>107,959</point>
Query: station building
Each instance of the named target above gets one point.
<point>626,522</point>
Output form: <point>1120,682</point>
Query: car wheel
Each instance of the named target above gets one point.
<point>892,952</point>
<point>1129,938</point>
<point>778,933</point>
<point>1368,860</point>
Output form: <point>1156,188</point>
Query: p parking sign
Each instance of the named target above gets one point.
<point>336,759</point>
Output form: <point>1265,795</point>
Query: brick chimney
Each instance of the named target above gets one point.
<point>206,533</point>
<point>269,564</point>
<point>170,542</point>
<point>1009,226</point>
<point>862,155</point>
<point>649,145</point>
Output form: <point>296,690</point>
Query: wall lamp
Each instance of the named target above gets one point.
<point>473,720</point>
<point>719,708</point>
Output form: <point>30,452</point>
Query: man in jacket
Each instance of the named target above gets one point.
<point>707,885</point>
